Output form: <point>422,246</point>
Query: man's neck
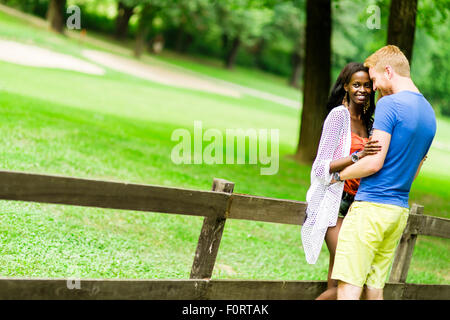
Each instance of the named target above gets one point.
<point>404,84</point>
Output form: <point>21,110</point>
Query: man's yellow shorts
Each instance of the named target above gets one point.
<point>367,241</point>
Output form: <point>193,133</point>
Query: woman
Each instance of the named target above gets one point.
<point>344,140</point>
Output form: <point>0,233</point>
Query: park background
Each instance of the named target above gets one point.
<point>230,64</point>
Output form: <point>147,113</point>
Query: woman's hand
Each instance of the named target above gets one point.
<point>371,147</point>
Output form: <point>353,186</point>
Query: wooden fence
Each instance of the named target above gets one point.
<point>216,207</point>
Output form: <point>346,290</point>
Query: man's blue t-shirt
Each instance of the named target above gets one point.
<point>410,120</point>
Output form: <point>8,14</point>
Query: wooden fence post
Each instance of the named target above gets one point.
<point>210,236</point>
<point>405,250</point>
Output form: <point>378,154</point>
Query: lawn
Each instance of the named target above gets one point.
<point>118,127</point>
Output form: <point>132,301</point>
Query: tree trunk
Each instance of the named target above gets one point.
<point>184,39</point>
<point>187,42</point>
<point>231,56</point>
<point>144,26</point>
<point>258,52</point>
<point>179,40</point>
<point>225,41</point>
<point>402,25</point>
<point>296,69</point>
<point>141,40</point>
<point>123,18</point>
<point>316,77</point>
<point>55,15</point>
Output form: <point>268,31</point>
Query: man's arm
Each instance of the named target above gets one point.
<point>369,164</point>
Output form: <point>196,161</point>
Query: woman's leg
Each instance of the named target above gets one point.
<point>331,238</point>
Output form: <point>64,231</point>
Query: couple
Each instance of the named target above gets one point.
<point>363,220</point>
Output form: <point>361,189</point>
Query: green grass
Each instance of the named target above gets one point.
<point>252,78</point>
<point>118,127</point>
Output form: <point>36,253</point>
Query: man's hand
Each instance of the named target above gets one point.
<point>371,163</point>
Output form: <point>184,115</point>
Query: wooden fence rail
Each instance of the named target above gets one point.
<point>216,206</point>
<point>193,289</point>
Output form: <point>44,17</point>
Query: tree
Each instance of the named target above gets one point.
<point>288,21</point>
<point>402,25</point>
<point>55,15</point>
<point>125,10</point>
<point>431,64</point>
<point>144,23</point>
<point>189,18</point>
<point>148,10</point>
<point>316,77</point>
<point>242,22</point>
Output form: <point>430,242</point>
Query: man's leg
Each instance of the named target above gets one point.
<point>373,293</point>
<point>393,221</point>
<point>354,254</point>
<point>347,291</point>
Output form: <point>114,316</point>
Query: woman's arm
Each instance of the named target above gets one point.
<point>340,164</point>
<point>329,140</point>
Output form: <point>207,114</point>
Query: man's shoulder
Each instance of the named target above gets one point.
<point>386,104</point>
<point>386,100</point>
<point>404,97</point>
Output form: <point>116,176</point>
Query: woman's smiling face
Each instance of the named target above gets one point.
<point>359,88</point>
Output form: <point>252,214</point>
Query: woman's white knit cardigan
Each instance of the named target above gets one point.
<point>324,198</point>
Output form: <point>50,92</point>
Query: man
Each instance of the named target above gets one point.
<point>404,126</point>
